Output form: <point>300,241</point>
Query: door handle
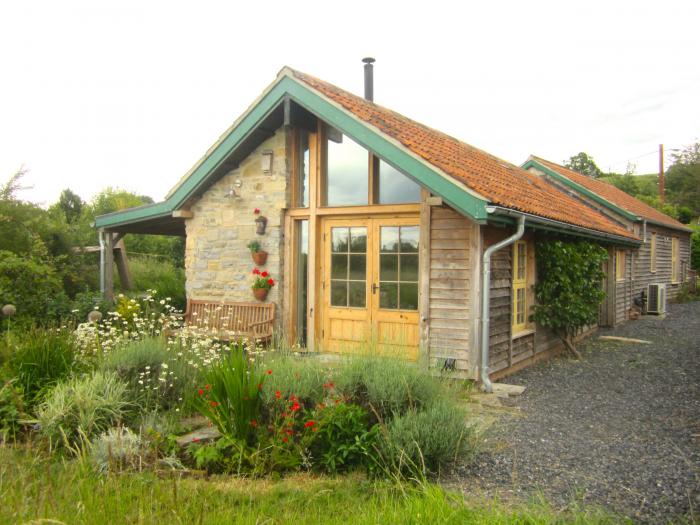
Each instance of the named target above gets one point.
<point>374,288</point>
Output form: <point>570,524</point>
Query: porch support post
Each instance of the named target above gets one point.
<point>108,292</point>
<point>123,266</point>
<point>424,265</point>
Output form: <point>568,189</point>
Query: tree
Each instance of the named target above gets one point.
<point>683,179</point>
<point>568,290</point>
<point>71,205</point>
<point>583,164</point>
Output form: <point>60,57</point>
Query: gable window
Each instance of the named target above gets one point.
<point>675,259</point>
<point>394,186</point>
<point>347,171</point>
<point>619,265</point>
<point>519,286</point>
<point>652,254</point>
<point>302,170</point>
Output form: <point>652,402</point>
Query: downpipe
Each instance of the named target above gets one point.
<point>486,297</point>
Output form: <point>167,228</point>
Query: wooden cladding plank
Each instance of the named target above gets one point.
<point>441,313</point>
<point>449,264</point>
<point>449,274</point>
<point>448,293</point>
<point>446,244</point>
<point>456,235</point>
<point>450,333</point>
<point>446,353</point>
<point>446,323</point>
<point>442,254</point>
<point>448,224</point>
<point>461,303</point>
<point>448,284</point>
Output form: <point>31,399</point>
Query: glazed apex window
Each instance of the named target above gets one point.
<point>347,180</point>
<point>395,187</point>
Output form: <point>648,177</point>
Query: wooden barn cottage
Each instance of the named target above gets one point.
<point>381,233</point>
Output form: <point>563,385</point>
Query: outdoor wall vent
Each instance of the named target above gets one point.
<point>266,161</point>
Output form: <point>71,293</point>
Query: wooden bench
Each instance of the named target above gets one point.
<point>231,321</point>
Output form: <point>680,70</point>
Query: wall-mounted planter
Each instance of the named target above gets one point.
<point>260,293</point>
<point>260,258</point>
<point>260,224</point>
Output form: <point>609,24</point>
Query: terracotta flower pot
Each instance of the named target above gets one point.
<point>260,293</point>
<point>260,258</point>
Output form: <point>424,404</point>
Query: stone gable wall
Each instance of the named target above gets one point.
<point>218,264</point>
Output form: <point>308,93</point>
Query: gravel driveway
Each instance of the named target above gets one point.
<point>620,429</point>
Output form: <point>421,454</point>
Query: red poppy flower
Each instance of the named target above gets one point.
<point>289,432</point>
<point>328,385</point>
<point>269,372</point>
<point>278,394</point>
<point>309,424</point>
<point>200,392</point>
<point>295,407</point>
<point>208,387</point>
<point>263,274</point>
<point>253,423</point>
<point>285,439</point>
<point>214,404</point>
<point>292,397</point>
<point>259,386</point>
<point>270,282</point>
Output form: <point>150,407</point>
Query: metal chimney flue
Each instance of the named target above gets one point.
<point>369,78</point>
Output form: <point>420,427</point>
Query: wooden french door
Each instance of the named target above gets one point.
<point>370,286</point>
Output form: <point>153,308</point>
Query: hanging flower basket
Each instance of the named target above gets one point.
<point>260,258</point>
<point>262,284</point>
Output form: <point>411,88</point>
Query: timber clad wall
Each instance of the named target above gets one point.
<point>451,278</point>
<point>638,268</point>
<point>218,264</point>
<point>500,309</point>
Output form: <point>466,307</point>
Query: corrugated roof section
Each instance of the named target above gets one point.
<point>502,183</point>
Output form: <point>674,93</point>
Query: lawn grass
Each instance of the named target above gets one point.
<point>36,489</point>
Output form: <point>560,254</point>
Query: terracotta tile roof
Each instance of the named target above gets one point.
<point>614,195</point>
<point>500,182</point>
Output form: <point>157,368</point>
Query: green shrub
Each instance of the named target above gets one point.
<point>386,386</point>
<point>301,377</point>
<point>341,438</point>
<point>157,377</point>
<point>30,284</point>
<point>81,408</point>
<point>118,449</point>
<point>426,441</point>
<point>39,358</point>
<point>11,411</point>
<point>155,274</point>
<point>230,396</point>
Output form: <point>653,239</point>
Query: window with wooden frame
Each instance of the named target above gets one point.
<point>619,265</point>
<point>519,322</point>
<point>675,259</point>
<point>652,253</point>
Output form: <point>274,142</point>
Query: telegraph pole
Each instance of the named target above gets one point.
<point>661,173</point>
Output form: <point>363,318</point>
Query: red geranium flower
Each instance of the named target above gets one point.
<point>200,392</point>
<point>259,386</point>
<point>253,423</point>
<point>207,387</point>
<point>328,385</point>
<point>256,271</point>
<point>292,397</point>
<point>309,424</point>
<point>263,274</point>
<point>256,211</point>
<point>285,439</point>
<point>270,282</point>
<point>214,404</point>
<point>195,440</point>
<point>278,394</point>
<point>289,432</point>
<point>295,407</point>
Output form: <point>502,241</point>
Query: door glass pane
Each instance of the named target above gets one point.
<point>409,268</point>
<point>339,240</point>
<point>358,240</point>
<point>389,239</point>
<point>346,172</point>
<point>357,294</point>
<point>398,267</point>
<point>395,187</point>
<point>408,296</point>
<point>339,266</point>
<point>339,293</point>
<point>388,267</point>
<point>388,295</point>
<point>357,267</point>
<point>302,278</point>
<point>409,239</point>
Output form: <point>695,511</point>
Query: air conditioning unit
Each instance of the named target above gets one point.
<point>656,303</point>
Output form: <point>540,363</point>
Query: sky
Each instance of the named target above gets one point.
<point>130,94</point>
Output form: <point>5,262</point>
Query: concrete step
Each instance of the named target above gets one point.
<point>505,390</point>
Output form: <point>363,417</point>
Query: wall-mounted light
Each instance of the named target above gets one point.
<point>266,162</point>
<point>234,191</point>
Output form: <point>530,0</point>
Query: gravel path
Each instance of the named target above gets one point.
<point>620,429</point>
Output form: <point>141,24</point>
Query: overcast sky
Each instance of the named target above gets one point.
<point>131,94</point>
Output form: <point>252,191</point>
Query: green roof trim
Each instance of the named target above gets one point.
<point>361,132</point>
<point>531,163</point>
